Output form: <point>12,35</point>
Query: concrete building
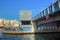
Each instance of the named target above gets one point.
<point>1,23</point>
<point>7,23</point>
<point>14,24</point>
<point>26,20</point>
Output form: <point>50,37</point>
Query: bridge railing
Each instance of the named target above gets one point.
<point>50,10</point>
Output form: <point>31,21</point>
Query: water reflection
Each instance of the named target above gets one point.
<point>17,37</point>
<point>49,36</point>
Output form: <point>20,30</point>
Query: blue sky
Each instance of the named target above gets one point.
<point>9,9</point>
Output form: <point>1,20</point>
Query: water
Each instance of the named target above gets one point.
<point>17,37</point>
<point>10,37</point>
<point>49,36</point>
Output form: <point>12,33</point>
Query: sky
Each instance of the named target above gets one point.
<point>10,9</point>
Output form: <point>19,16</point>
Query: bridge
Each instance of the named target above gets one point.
<point>49,19</point>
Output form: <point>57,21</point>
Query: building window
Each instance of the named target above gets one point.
<point>26,22</point>
<point>26,28</point>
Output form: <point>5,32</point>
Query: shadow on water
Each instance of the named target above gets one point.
<point>47,36</point>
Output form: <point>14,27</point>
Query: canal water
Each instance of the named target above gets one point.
<point>17,37</point>
<point>49,36</point>
<point>41,36</point>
